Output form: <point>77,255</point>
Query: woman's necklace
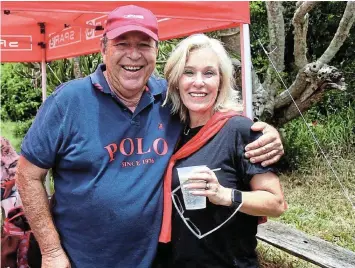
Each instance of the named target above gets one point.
<point>186,130</point>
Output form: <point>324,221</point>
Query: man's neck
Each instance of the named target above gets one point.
<point>130,101</point>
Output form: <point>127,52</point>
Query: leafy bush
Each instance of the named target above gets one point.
<point>335,132</point>
<point>22,127</point>
<point>19,97</point>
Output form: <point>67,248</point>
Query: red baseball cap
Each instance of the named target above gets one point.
<point>131,18</point>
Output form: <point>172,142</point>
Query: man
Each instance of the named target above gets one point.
<point>108,140</point>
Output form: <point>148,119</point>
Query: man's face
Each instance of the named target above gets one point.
<point>130,60</point>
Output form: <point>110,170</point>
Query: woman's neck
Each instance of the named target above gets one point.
<point>199,119</point>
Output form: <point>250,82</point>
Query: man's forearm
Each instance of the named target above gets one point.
<point>35,202</point>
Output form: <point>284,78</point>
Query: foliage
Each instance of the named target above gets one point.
<point>21,128</point>
<point>332,125</point>
<point>7,131</point>
<point>19,98</point>
<point>21,84</point>
<point>165,49</point>
<point>258,30</point>
<point>89,63</point>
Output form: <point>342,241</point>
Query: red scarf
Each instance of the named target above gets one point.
<point>213,125</point>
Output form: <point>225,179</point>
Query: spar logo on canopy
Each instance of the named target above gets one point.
<point>68,36</point>
<point>91,31</point>
<point>16,42</point>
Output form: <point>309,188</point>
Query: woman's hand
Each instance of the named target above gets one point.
<point>203,182</point>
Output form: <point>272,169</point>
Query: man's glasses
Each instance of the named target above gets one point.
<point>192,227</point>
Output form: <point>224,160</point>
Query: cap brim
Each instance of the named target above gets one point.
<point>130,28</point>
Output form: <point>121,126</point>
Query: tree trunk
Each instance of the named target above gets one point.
<point>276,53</point>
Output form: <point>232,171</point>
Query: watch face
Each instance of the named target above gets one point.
<point>237,197</point>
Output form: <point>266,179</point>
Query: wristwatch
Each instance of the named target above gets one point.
<point>236,198</point>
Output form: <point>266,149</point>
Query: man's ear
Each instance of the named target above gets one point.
<point>103,53</point>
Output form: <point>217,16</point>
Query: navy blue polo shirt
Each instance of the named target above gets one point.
<point>108,165</point>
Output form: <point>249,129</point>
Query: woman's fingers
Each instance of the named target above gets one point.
<point>203,173</point>
<point>195,185</point>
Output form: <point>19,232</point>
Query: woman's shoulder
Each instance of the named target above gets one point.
<point>240,124</point>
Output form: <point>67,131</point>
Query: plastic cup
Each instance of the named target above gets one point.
<point>192,202</point>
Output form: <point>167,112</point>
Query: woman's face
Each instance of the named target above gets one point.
<point>199,83</point>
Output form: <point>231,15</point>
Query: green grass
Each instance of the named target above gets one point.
<point>317,206</point>
<point>7,131</point>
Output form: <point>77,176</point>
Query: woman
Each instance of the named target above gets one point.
<point>9,194</point>
<point>200,82</point>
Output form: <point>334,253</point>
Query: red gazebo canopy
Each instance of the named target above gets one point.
<point>68,29</point>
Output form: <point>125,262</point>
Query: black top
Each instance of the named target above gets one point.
<point>233,245</point>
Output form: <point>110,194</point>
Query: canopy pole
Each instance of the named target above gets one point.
<point>44,75</point>
<point>44,88</point>
<point>247,88</point>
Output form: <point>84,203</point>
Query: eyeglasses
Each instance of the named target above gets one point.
<point>192,227</point>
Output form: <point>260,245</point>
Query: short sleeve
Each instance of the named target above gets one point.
<point>245,136</point>
<point>43,139</point>
<point>249,168</point>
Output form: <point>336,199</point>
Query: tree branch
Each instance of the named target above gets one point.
<point>340,36</point>
<point>296,89</point>
<point>292,112</point>
<point>308,83</point>
<point>300,24</point>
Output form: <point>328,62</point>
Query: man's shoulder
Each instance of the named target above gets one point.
<point>157,84</point>
<point>72,87</point>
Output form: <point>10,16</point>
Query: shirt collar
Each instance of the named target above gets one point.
<point>156,86</point>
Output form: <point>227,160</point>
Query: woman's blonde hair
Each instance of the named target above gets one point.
<point>174,69</point>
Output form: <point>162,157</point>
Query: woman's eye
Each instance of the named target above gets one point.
<point>188,72</point>
<point>209,73</point>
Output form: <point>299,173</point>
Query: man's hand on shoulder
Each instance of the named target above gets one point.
<point>268,148</point>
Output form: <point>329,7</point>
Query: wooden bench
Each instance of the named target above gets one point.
<point>306,247</point>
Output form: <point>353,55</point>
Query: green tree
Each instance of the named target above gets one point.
<point>20,99</point>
